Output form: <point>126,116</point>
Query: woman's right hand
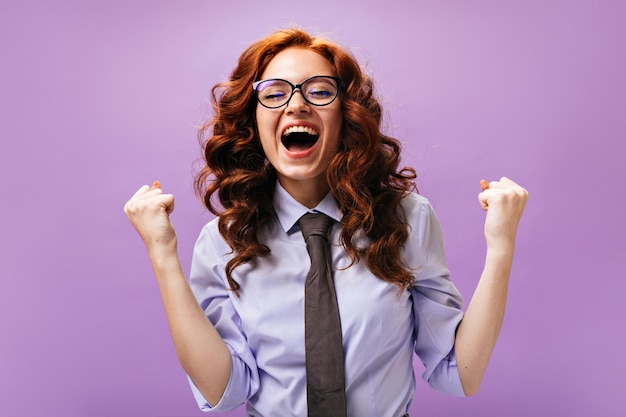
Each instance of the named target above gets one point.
<point>200,348</point>
<point>149,212</point>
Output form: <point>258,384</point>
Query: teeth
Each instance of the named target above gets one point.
<point>300,129</point>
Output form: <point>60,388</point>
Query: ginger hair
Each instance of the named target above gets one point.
<point>363,175</point>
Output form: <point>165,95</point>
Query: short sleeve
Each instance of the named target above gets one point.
<point>437,304</point>
<point>209,285</point>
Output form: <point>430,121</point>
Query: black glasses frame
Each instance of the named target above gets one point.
<point>297,87</point>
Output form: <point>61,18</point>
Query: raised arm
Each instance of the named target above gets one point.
<point>200,349</point>
<point>478,332</point>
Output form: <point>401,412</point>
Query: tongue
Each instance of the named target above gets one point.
<point>299,146</point>
<point>297,142</point>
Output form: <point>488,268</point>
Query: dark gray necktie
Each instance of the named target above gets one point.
<point>326,395</point>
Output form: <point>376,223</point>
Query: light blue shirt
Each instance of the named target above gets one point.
<point>264,327</point>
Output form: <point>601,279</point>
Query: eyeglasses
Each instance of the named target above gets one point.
<point>320,90</point>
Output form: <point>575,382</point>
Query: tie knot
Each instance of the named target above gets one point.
<point>315,224</point>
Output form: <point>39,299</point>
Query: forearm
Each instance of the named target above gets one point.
<point>478,331</point>
<point>200,349</point>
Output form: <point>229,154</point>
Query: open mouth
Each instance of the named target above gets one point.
<point>299,138</point>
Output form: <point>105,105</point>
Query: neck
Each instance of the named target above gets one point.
<point>309,193</point>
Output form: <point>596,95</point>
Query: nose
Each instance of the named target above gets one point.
<point>296,103</point>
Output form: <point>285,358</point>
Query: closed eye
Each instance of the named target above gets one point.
<point>276,96</point>
<point>319,94</point>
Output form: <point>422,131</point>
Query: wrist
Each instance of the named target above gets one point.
<point>163,256</point>
<point>500,244</point>
<point>499,258</point>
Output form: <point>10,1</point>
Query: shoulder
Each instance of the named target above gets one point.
<point>412,198</point>
<point>210,229</point>
<point>425,241</point>
<point>210,240</point>
<point>416,208</point>
<point>211,253</point>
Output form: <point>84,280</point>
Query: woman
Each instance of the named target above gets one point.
<point>296,130</point>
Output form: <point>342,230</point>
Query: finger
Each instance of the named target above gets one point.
<point>145,189</point>
<point>483,198</point>
<point>168,202</point>
<point>151,192</point>
<point>504,182</point>
<point>143,193</point>
<point>162,202</point>
<point>140,191</point>
<point>156,203</point>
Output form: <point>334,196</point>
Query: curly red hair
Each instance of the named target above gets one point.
<point>363,175</point>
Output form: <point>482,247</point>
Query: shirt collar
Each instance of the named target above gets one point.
<point>289,211</point>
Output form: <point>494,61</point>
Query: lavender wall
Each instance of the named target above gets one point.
<point>101,97</point>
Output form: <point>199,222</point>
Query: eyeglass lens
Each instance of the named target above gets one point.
<point>318,91</point>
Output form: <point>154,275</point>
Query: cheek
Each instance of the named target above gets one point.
<point>266,131</point>
<point>258,119</point>
<point>265,123</point>
<point>335,118</point>
<point>339,123</point>
<point>336,127</point>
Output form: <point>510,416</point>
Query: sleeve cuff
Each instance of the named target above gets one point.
<point>446,378</point>
<point>234,394</point>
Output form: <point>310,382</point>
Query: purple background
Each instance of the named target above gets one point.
<point>100,98</point>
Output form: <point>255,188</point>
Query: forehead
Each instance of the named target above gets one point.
<point>297,64</point>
